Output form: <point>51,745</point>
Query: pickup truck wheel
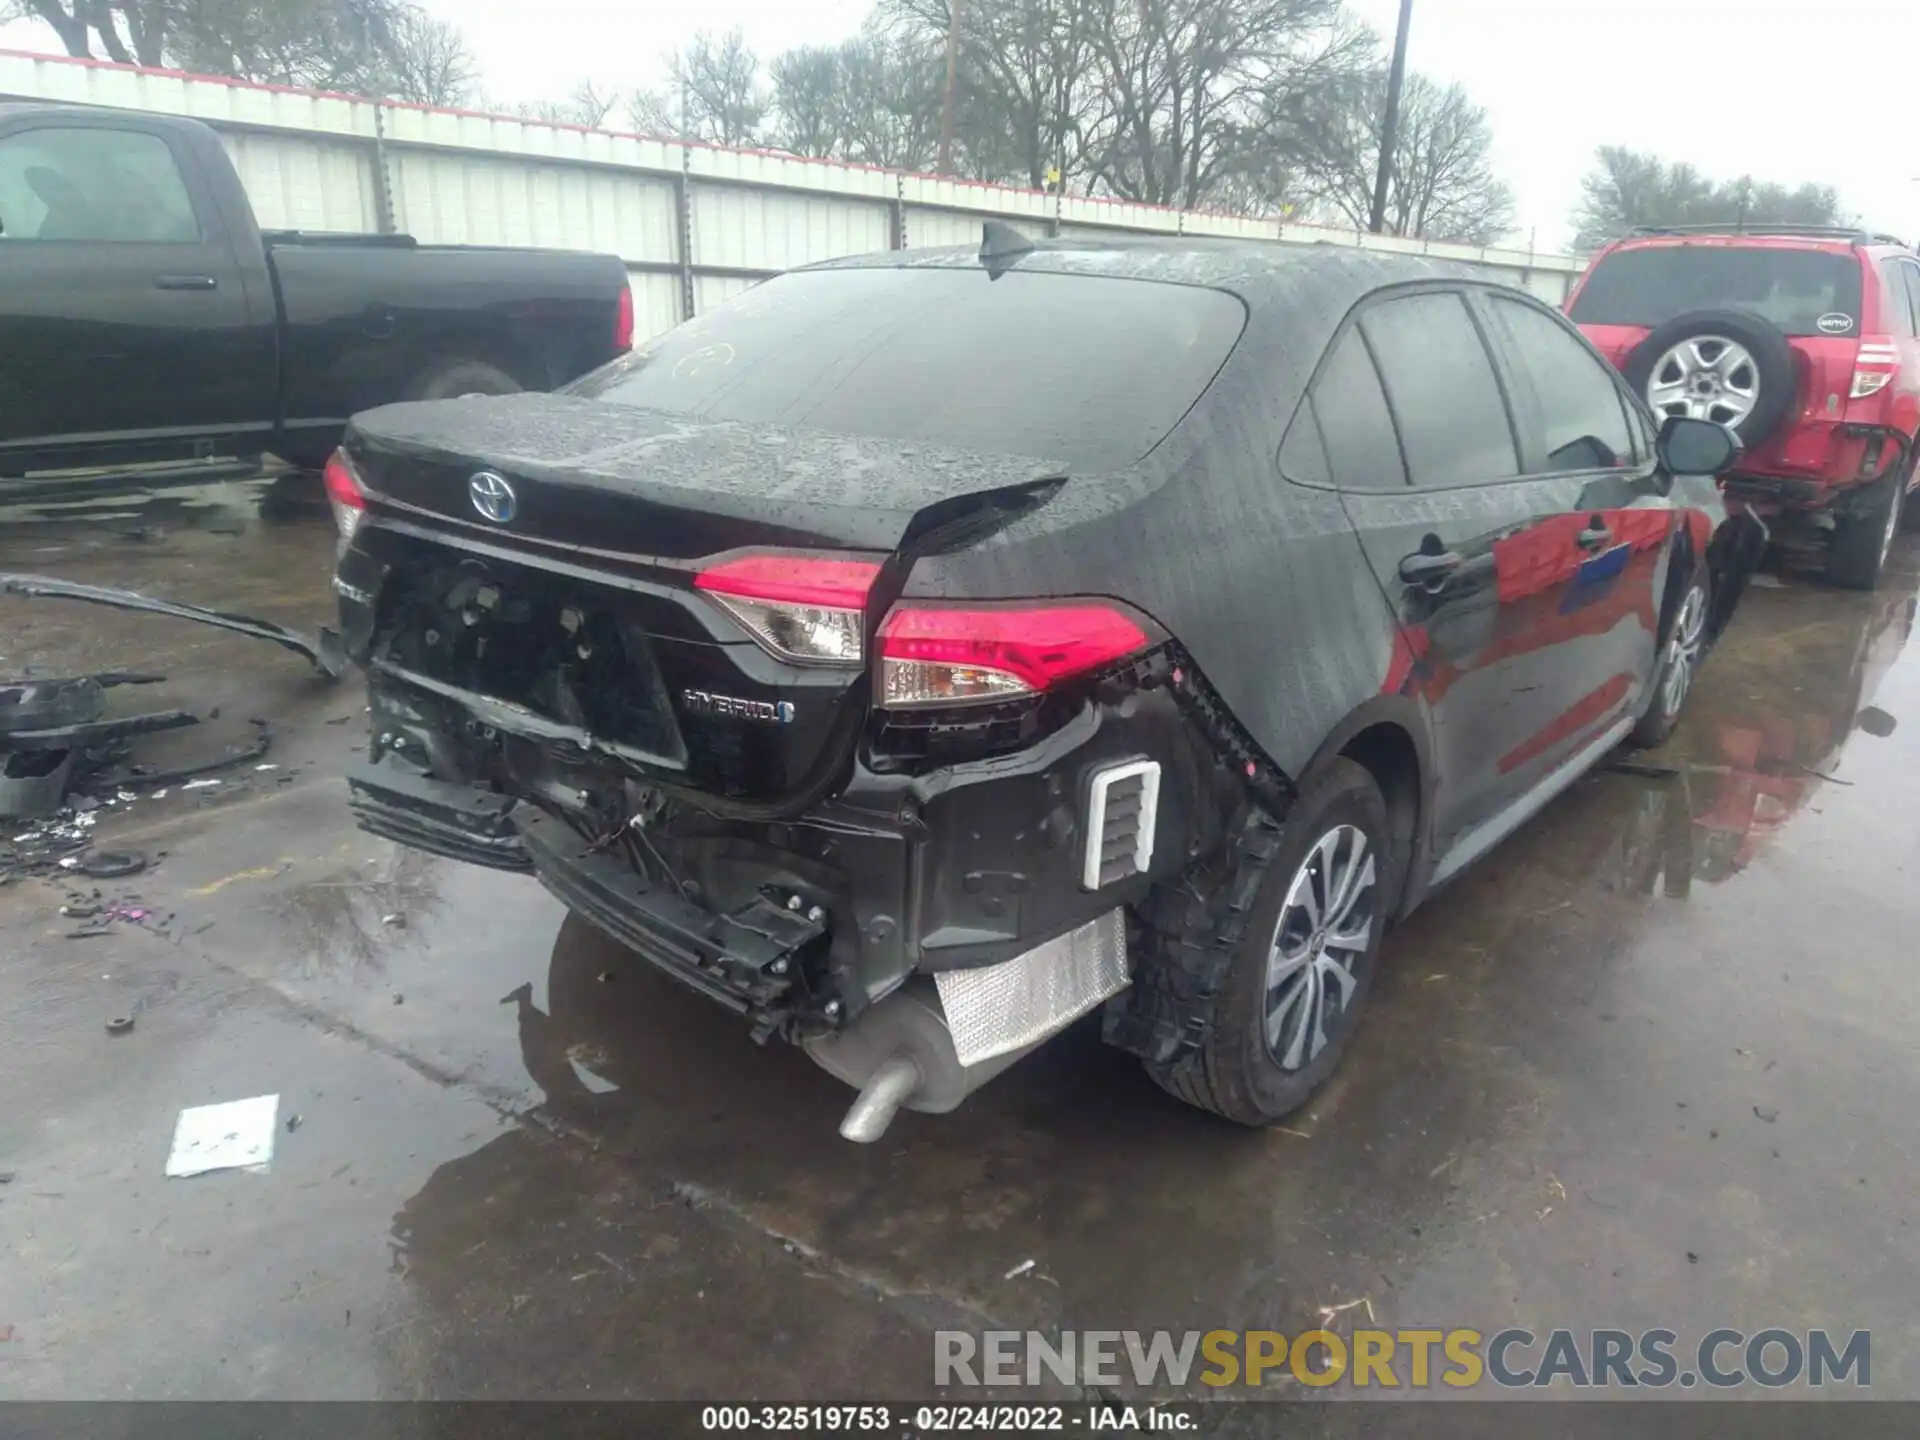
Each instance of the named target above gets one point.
<point>1858,549</point>
<point>1297,915</point>
<point>1679,664</point>
<point>450,379</point>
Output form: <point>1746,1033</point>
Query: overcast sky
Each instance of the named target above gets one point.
<point>1730,85</point>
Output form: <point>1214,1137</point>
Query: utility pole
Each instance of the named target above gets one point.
<point>1390,122</point>
<point>946,105</point>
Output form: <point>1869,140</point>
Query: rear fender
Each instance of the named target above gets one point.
<point>1410,815</point>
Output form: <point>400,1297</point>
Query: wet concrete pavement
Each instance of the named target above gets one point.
<point>1651,1064</point>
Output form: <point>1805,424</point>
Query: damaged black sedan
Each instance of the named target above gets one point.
<point>923,650</point>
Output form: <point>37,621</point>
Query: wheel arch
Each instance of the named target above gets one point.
<point>1390,737</point>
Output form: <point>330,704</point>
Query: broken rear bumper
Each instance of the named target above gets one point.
<point>461,822</point>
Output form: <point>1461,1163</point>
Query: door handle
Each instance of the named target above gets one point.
<point>185,282</point>
<point>1429,567</point>
<point>1596,536</point>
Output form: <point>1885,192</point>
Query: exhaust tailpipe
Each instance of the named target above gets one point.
<point>886,1090</point>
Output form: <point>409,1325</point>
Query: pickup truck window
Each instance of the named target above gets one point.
<point>93,183</point>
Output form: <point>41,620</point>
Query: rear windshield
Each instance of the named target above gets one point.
<point>1803,292</point>
<point>1085,371</point>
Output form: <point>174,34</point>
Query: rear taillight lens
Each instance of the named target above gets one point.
<point>804,609</point>
<point>623,321</point>
<point>345,494</point>
<point>1874,366</point>
<point>952,656</point>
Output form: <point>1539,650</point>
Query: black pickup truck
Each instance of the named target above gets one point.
<point>145,317</point>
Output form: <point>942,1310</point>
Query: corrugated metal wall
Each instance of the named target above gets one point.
<point>694,223</point>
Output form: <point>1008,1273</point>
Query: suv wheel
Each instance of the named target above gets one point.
<point>1720,365</point>
<point>1679,664</point>
<point>1297,921</point>
<point>1857,551</point>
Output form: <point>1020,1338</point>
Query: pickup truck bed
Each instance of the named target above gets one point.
<point>145,317</point>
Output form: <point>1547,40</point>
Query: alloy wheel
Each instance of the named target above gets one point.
<point>1323,935</point>
<point>1683,650</point>
<point>1707,377</point>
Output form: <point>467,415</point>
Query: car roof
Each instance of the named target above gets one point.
<point>1262,273</point>
<point>1838,241</point>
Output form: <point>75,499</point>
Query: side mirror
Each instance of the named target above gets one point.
<point>1696,447</point>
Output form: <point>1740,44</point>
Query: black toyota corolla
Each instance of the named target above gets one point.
<point>925,649</point>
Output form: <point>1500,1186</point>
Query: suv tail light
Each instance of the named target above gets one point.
<point>623,320</point>
<point>1874,366</point>
<point>949,656</point>
<point>804,609</point>
<point>345,494</point>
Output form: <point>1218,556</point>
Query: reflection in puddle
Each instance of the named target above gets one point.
<point>345,926</point>
<point>1755,764</point>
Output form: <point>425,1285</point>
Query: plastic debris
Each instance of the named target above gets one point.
<point>1022,1268</point>
<point>111,864</point>
<point>235,1135</point>
<point>199,784</point>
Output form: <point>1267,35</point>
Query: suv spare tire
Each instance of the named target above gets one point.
<point>1722,365</point>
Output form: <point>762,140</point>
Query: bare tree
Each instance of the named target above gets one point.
<point>79,24</point>
<point>1021,79</point>
<point>1441,185</point>
<point>1198,95</point>
<point>427,61</point>
<point>716,83</point>
<point>1627,188</point>
<point>586,104</point>
<point>322,44</point>
<point>874,99</point>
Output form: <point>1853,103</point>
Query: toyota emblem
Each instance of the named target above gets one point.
<point>492,496</point>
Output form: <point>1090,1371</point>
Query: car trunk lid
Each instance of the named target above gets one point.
<point>639,485</point>
<point>592,580</point>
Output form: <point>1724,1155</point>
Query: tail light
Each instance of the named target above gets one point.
<point>623,321</point>
<point>345,494</point>
<point>943,656</point>
<point>1874,366</point>
<point>804,609</point>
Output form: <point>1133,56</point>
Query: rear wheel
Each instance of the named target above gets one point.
<point>1861,541</point>
<point>1300,951</point>
<point>450,379</point>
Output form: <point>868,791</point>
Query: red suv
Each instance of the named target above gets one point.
<point>1802,340</point>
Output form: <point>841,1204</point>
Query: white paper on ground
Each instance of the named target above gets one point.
<point>224,1137</point>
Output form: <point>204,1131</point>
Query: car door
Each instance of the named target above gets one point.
<point>1480,560</point>
<point>122,315</point>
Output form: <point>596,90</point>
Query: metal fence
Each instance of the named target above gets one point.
<point>694,223</point>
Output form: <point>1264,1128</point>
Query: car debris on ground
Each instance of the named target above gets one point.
<point>236,1135</point>
<point>323,648</point>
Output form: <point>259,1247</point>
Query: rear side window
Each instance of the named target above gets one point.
<point>1910,272</point>
<point>1901,281</point>
<point>1087,371</point>
<point>1803,292</point>
<point>93,184</point>
<point>1353,422</point>
<point>1439,380</point>
<point>1570,394</point>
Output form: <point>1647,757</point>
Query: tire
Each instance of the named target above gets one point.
<point>1680,656</point>
<point>1772,379</point>
<point>1234,914</point>
<point>1857,550</point>
<point>1910,512</point>
<point>450,379</point>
